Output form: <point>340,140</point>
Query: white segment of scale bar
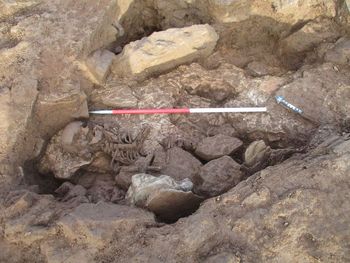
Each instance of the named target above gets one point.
<point>228,110</point>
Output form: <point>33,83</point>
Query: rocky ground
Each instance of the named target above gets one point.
<point>257,187</point>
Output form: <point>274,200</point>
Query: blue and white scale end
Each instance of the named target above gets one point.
<point>281,100</point>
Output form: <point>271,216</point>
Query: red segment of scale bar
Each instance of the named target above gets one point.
<point>152,111</point>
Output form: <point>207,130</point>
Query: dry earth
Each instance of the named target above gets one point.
<point>257,187</point>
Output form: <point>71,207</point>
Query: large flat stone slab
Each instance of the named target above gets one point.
<point>165,50</point>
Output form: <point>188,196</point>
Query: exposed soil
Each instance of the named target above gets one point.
<point>246,187</point>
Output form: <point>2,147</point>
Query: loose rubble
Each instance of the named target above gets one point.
<point>78,187</point>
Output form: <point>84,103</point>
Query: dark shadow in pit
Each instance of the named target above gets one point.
<point>46,183</point>
<point>182,205</point>
<point>173,218</point>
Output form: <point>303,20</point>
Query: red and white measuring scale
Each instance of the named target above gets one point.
<point>180,110</point>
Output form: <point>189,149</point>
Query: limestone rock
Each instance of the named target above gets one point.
<point>256,152</point>
<point>225,129</point>
<point>98,65</point>
<point>123,178</point>
<point>287,11</point>
<point>39,63</point>
<point>107,218</point>
<point>162,195</point>
<point>317,97</point>
<point>340,53</point>
<point>142,165</point>
<point>57,109</point>
<point>343,14</point>
<point>178,164</point>
<point>319,91</point>
<point>258,69</point>
<point>143,185</point>
<point>219,175</point>
<point>181,13</point>
<point>26,209</point>
<point>165,50</point>
<point>208,85</point>
<point>68,191</point>
<point>8,8</point>
<point>104,189</point>
<point>308,37</point>
<point>224,257</point>
<point>294,199</point>
<point>114,96</point>
<point>294,11</point>
<point>217,146</point>
<point>67,152</point>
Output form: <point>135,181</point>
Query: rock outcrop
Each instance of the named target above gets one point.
<point>260,219</point>
<point>86,218</point>
<point>279,193</point>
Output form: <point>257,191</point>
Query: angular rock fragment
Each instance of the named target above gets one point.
<point>69,191</point>
<point>217,146</point>
<point>340,53</point>
<point>303,10</point>
<point>259,69</point>
<point>218,176</point>
<point>100,187</point>
<point>178,164</point>
<point>81,224</point>
<point>113,96</point>
<point>165,50</point>
<point>55,110</point>
<point>225,129</point>
<point>104,189</point>
<point>24,212</point>
<point>98,65</point>
<point>162,195</point>
<point>308,37</point>
<point>17,202</point>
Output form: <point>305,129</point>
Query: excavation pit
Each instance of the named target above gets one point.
<point>213,187</point>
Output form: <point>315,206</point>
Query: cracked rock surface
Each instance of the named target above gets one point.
<point>267,187</point>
